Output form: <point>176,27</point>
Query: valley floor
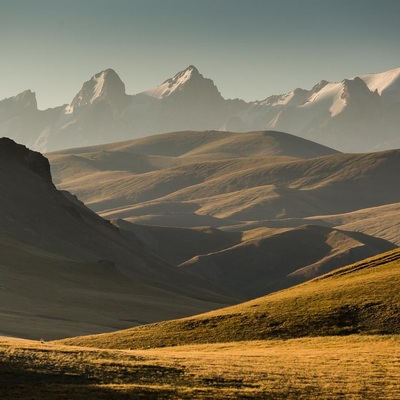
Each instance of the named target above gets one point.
<point>348,367</point>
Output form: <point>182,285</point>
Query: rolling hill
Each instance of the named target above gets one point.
<point>360,298</point>
<point>208,180</point>
<point>227,206</point>
<point>257,261</point>
<point>267,261</point>
<point>65,270</point>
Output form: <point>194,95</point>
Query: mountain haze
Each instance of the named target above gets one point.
<point>66,270</point>
<point>358,114</point>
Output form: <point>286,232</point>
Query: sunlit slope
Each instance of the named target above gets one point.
<point>178,172</point>
<point>188,179</point>
<point>269,260</point>
<point>256,262</point>
<point>185,143</point>
<point>312,368</point>
<point>360,298</point>
<point>380,222</point>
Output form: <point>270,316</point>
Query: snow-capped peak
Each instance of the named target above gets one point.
<point>174,84</point>
<point>106,85</point>
<point>336,95</point>
<point>387,83</point>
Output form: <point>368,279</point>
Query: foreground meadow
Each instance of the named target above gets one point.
<point>350,367</point>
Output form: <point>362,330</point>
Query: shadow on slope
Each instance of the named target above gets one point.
<point>67,270</point>
<point>360,298</point>
<point>222,178</point>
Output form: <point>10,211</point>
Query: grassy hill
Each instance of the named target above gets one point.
<point>219,187</point>
<point>66,271</point>
<point>187,179</point>
<point>262,264</point>
<point>256,262</point>
<point>360,298</point>
<point>171,174</point>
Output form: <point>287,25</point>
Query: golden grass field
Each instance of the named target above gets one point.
<point>219,355</point>
<point>351,367</point>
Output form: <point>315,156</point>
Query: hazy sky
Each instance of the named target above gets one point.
<point>250,48</point>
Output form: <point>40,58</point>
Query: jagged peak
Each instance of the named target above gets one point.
<point>183,76</point>
<point>188,77</point>
<point>193,71</point>
<point>105,85</point>
<point>27,99</point>
<point>356,86</point>
<point>320,85</point>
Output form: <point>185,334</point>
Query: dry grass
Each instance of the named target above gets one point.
<point>220,178</point>
<point>353,367</point>
<point>361,298</point>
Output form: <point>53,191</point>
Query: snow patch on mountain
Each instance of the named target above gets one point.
<point>98,87</point>
<point>330,96</point>
<point>173,84</point>
<point>385,83</point>
<point>381,81</point>
<point>106,85</point>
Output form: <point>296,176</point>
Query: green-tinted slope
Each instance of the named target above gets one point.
<point>361,298</point>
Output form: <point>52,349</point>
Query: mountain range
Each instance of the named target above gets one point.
<point>358,114</point>
<point>249,251</point>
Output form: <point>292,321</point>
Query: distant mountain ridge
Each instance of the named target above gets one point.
<point>355,115</point>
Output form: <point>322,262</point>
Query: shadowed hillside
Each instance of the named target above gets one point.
<point>65,270</point>
<point>267,261</point>
<point>360,298</point>
<point>221,188</point>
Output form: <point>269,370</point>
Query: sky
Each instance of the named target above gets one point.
<point>251,49</point>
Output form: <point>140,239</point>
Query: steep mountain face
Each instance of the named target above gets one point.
<point>64,269</point>
<point>93,116</point>
<point>186,101</point>
<point>347,115</point>
<point>187,85</point>
<point>355,115</point>
<point>105,86</point>
<point>21,120</point>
